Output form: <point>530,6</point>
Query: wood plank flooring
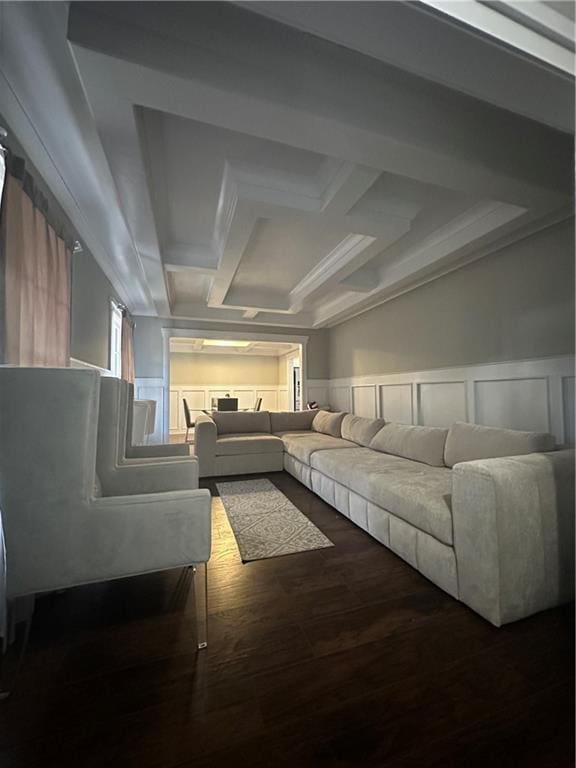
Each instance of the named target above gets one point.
<point>339,657</point>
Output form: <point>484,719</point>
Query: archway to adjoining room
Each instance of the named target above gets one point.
<point>205,367</point>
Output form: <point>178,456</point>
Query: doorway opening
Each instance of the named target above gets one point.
<point>221,373</point>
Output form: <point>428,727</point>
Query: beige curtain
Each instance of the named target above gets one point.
<point>37,284</point>
<point>127,350</point>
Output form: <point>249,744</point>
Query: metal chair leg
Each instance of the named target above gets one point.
<point>21,610</point>
<point>201,603</point>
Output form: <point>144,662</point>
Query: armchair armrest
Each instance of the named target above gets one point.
<point>175,450</point>
<point>205,435</point>
<point>149,478</point>
<point>135,534</point>
<point>513,533</point>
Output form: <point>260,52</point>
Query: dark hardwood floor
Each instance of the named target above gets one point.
<point>339,657</point>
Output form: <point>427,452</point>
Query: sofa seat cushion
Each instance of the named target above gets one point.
<point>230,445</point>
<point>417,493</point>
<point>302,447</point>
<point>295,433</point>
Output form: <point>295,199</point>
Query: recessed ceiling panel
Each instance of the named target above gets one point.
<point>282,251</point>
<point>188,287</point>
<point>187,159</point>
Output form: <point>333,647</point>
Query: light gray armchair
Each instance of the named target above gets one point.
<point>131,451</point>
<point>140,422</point>
<point>119,475</point>
<point>61,530</point>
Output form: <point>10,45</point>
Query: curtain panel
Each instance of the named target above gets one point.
<point>36,271</point>
<point>127,349</point>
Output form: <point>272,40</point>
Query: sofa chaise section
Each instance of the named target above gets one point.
<point>236,443</point>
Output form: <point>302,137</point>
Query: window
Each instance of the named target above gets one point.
<point>116,340</point>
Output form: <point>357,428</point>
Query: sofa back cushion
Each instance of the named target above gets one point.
<point>424,444</point>
<point>467,442</point>
<point>360,430</point>
<point>328,423</point>
<point>291,421</point>
<point>238,422</point>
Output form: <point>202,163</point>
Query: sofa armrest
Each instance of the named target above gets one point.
<point>149,532</point>
<point>513,533</point>
<point>175,450</point>
<point>205,435</point>
<point>146,478</point>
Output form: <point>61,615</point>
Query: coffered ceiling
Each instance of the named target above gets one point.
<point>253,172</point>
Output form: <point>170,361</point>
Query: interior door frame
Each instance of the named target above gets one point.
<point>198,333</point>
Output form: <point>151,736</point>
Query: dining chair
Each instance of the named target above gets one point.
<point>188,418</point>
<point>258,404</point>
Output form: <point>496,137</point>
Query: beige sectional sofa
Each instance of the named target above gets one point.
<point>486,514</point>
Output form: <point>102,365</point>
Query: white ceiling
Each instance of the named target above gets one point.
<point>182,345</point>
<point>224,166</point>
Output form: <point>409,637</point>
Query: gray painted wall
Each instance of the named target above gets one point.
<point>90,311</point>
<point>148,343</point>
<point>515,304</point>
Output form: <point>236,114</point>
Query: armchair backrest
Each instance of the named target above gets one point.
<point>151,417</point>
<point>52,456</point>
<point>110,429</point>
<point>136,418</point>
<point>140,421</point>
<point>48,423</point>
<point>127,413</point>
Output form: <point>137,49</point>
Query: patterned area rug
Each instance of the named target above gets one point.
<point>265,522</point>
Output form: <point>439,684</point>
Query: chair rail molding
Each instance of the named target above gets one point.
<point>535,394</point>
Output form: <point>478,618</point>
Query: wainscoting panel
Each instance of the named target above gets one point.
<point>199,398</point>
<point>515,404</point>
<point>568,403</point>
<point>174,411</point>
<point>341,398</point>
<point>396,403</point>
<point>215,394</point>
<point>318,393</point>
<point>524,394</point>
<point>283,400</point>
<point>442,403</point>
<point>269,399</point>
<point>245,397</point>
<point>196,399</point>
<point>364,401</point>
